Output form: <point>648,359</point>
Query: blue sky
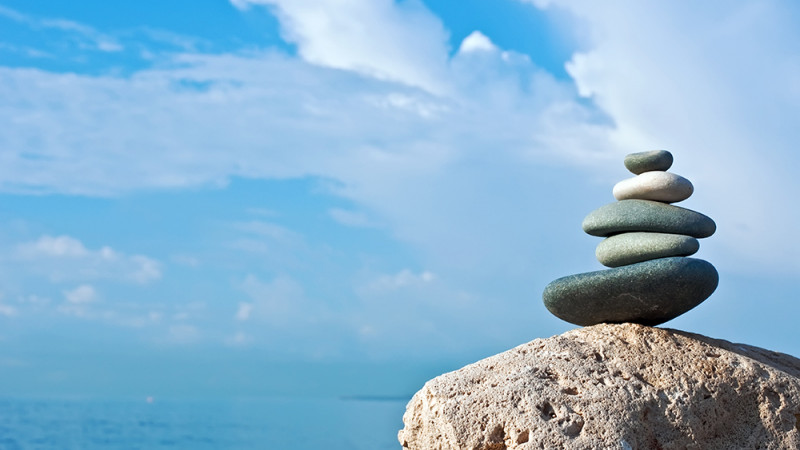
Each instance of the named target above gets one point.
<point>194,195</point>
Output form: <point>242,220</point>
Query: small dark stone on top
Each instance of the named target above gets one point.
<point>648,161</point>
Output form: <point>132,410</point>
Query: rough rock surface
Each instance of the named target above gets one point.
<point>620,386</point>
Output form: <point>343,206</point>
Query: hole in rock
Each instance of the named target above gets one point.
<point>547,411</point>
<point>496,439</point>
<point>498,434</point>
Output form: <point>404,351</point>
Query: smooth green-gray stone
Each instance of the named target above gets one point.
<point>647,215</point>
<point>629,248</point>
<point>648,161</point>
<point>648,293</point>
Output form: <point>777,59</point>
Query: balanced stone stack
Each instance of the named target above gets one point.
<point>647,241</point>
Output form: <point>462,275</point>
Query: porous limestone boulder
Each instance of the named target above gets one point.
<point>622,386</point>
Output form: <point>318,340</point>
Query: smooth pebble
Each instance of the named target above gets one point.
<point>648,293</point>
<point>647,215</point>
<point>659,186</point>
<point>630,248</point>
<point>646,161</point>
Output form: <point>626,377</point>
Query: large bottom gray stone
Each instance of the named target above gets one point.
<point>648,293</point>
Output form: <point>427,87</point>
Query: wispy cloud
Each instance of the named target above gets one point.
<point>403,279</point>
<point>274,245</point>
<point>7,310</point>
<point>78,304</point>
<point>82,294</point>
<point>60,247</point>
<point>280,301</point>
<point>244,311</point>
<point>88,36</point>
<point>63,258</point>
<point>13,14</point>
<point>238,339</point>
<point>183,334</point>
<point>268,230</point>
<point>351,218</point>
<point>26,51</point>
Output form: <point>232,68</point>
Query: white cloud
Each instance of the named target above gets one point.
<point>12,362</point>
<point>26,51</point>
<point>275,245</point>
<point>145,269</point>
<point>398,41</point>
<point>183,334</point>
<point>185,260</point>
<point>244,311</point>
<point>59,246</point>
<point>12,14</point>
<point>431,311</point>
<point>268,230</point>
<point>403,279</point>
<point>477,42</point>
<point>34,300</point>
<point>239,339</point>
<point>89,37</point>
<point>423,107</point>
<point>351,218</point>
<point>79,310</point>
<point>79,304</point>
<point>66,258</point>
<point>7,310</point>
<point>82,294</point>
<point>280,301</point>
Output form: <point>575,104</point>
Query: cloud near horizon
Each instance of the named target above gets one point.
<point>63,258</point>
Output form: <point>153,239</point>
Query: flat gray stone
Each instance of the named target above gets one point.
<point>630,248</point>
<point>648,293</point>
<point>647,215</point>
<point>659,186</point>
<point>647,161</point>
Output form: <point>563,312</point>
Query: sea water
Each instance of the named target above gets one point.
<point>151,423</point>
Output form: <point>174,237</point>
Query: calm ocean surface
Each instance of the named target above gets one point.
<point>274,423</point>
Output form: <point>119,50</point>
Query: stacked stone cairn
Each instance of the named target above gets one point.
<point>647,241</point>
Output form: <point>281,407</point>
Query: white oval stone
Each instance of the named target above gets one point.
<point>659,186</point>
